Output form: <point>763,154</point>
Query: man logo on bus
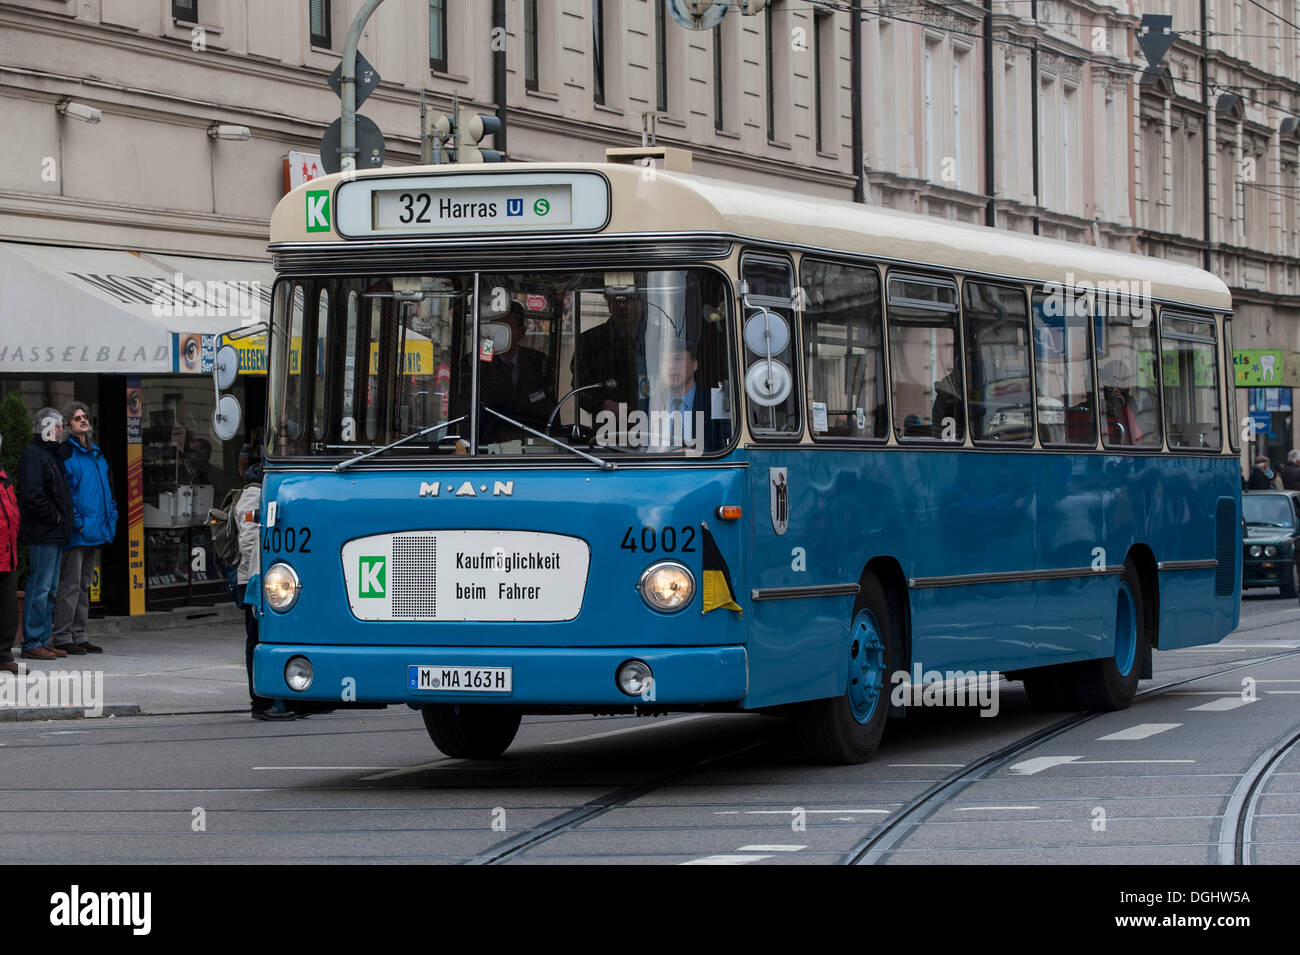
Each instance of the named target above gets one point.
<point>372,577</point>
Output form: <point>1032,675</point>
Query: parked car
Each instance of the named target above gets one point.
<point>1272,529</point>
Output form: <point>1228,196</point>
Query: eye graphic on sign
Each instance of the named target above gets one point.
<point>190,351</point>
<point>541,207</point>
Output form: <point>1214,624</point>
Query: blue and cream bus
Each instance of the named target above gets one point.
<point>617,438</point>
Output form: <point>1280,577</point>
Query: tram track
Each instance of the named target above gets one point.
<point>1237,822</point>
<point>876,848</point>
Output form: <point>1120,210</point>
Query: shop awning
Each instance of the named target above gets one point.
<point>69,310</point>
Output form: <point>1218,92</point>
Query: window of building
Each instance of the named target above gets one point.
<point>319,15</point>
<point>927,107</point>
<point>819,77</point>
<point>719,120</point>
<point>598,51</point>
<point>1000,395</point>
<point>530,45</point>
<point>1191,380</point>
<point>769,63</point>
<point>843,344</point>
<point>661,57</point>
<point>924,361</point>
<point>187,10</point>
<point>1063,370</point>
<point>438,35</point>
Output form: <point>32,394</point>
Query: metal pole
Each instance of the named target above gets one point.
<point>348,89</point>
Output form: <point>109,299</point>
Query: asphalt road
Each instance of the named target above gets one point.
<point>1197,771</point>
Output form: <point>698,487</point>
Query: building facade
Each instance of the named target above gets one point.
<point>122,238</point>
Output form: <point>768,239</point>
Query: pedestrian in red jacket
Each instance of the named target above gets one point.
<point>9,521</point>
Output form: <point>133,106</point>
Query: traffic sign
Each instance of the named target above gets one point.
<point>370,145</point>
<point>367,79</point>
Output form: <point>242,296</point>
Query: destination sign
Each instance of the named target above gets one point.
<point>458,209</point>
<point>435,204</point>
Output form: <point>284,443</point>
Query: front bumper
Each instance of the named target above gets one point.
<point>542,676</point>
<point>1270,572</point>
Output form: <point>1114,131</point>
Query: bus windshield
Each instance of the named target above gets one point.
<point>624,363</point>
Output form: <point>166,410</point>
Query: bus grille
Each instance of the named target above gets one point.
<point>1227,545</point>
<point>414,576</point>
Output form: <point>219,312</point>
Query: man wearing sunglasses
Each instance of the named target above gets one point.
<point>94,524</point>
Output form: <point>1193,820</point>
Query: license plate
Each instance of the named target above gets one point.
<point>460,679</point>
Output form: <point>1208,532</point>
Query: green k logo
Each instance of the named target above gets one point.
<point>318,210</point>
<point>372,582</point>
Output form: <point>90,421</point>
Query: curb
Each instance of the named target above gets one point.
<point>17,714</point>
<point>226,613</point>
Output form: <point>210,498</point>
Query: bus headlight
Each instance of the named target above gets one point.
<point>667,586</point>
<point>298,673</point>
<point>280,587</point>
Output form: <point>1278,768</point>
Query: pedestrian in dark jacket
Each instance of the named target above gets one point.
<point>1261,475</point>
<point>94,524</point>
<point>46,508</point>
<point>9,523</point>
<point>1291,471</point>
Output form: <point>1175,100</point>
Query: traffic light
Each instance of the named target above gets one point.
<point>470,128</point>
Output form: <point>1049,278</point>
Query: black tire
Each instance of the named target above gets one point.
<point>1291,586</point>
<point>1051,689</point>
<point>1102,685</point>
<point>828,730</point>
<point>469,731</point>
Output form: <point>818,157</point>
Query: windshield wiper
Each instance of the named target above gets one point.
<point>605,465</point>
<point>344,465</point>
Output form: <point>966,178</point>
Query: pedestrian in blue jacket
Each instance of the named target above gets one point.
<point>94,525</point>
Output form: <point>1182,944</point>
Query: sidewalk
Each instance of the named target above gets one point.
<point>187,661</point>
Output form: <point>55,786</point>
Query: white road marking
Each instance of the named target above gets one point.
<point>1201,692</point>
<point>726,860</point>
<point>1238,646</point>
<point>1277,681</point>
<point>788,812</point>
<point>986,808</point>
<point>324,767</point>
<point>1125,762</point>
<point>925,765</point>
<point>1140,731</point>
<point>1282,691</point>
<point>1039,763</point>
<point>628,729</point>
<point>776,848</point>
<point>403,770</point>
<point>1221,705</point>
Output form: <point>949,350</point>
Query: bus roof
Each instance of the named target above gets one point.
<point>646,202</point>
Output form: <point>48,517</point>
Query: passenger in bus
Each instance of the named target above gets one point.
<point>614,351</point>
<point>1121,424</point>
<point>517,382</point>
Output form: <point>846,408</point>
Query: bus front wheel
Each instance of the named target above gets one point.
<point>847,729</point>
<point>1111,683</point>
<point>469,731</point>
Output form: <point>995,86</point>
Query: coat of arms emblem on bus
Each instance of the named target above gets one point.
<point>778,482</point>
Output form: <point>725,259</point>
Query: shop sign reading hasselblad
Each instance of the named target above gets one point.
<point>466,575</point>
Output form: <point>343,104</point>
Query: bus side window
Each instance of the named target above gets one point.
<point>1127,370</point>
<point>1063,372</point>
<point>924,359</point>
<point>997,361</point>
<point>1191,381</point>
<point>771,287</point>
<point>843,347</point>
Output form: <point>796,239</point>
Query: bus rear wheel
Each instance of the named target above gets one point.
<point>1111,684</point>
<point>847,729</point>
<point>471,732</point>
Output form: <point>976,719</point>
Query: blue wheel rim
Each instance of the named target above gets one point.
<point>866,666</point>
<point>1126,631</point>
